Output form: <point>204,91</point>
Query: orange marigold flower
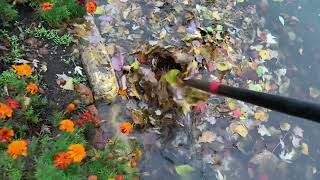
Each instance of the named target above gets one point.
<point>17,148</point>
<point>5,111</point>
<point>91,7</point>
<point>6,134</point>
<point>66,125</point>
<point>23,70</point>
<point>77,152</point>
<point>122,92</point>
<point>32,88</point>
<point>62,160</point>
<point>93,177</point>
<point>71,107</point>
<point>13,104</point>
<point>46,6</point>
<point>126,127</point>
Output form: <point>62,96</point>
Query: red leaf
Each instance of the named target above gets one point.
<point>201,107</point>
<point>236,113</point>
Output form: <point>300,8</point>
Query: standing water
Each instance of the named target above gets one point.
<point>267,45</point>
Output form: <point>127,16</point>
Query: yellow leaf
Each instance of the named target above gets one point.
<point>305,149</point>
<point>261,116</point>
<point>216,15</point>
<point>285,126</point>
<point>244,116</point>
<point>240,129</point>
<point>264,54</point>
<point>99,10</point>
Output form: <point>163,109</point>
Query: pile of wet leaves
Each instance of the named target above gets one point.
<point>153,44</point>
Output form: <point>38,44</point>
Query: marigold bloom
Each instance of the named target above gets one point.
<point>17,148</point>
<point>5,111</point>
<point>46,6</point>
<point>23,70</point>
<point>6,134</point>
<point>77,152</point>
<point>86,116</point>
<point>13,104</point>
<point>91,7</point>
<point>62,160</point>
<point>32,88</point>
<point>122,92</point>
<point>66,125</point>
<point>126,127</point>
<point>71,107</point>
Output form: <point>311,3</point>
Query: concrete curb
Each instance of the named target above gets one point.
<point>97,64</point>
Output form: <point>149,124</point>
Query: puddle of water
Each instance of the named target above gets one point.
<point>301,20</point>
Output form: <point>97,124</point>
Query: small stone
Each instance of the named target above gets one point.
<point>85,92</point>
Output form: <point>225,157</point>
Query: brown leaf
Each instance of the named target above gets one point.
<point>207,137</point>
<point>137,117</point>
<point>143,58</point>
<point>85,92</point>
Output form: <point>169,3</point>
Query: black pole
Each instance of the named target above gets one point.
<point>291,106</point>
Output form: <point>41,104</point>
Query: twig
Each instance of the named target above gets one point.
<point>280,142</point>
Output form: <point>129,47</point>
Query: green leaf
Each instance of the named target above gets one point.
<point>223,66</point>
<point>171,76</point>
<point>184,170</point>
<point>135,66</point>
<point>261,70</point>
<point>255,87</point>
<point>210,29</point>
<point>99,10</point>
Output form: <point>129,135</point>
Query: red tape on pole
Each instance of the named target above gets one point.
<point>214,87</point>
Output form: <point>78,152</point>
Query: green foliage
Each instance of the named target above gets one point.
<point>15,46</point>
<point>51,34</point>
<point>62,10</point>
<point>7,12</point>
<point>10,168</point>
<point>11,80</point>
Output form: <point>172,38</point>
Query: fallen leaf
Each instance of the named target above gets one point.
<point>68,82</point>
<point>261,116</point>
<point>236,113</point>
<point>201,107</point>
<point>314,92</point>
<point>281,19</point>
<point>171,76</point>
<point>287,157</point>
<point>99,10</point>
<point>263,131</point>
<point>212,120</point>
<point>184,170</point>
<point>137,117</point>
<point>78,70</point>
<point>305,149</point>
<point>298,131</point>
<point>207,137</point>
<point>224,66</point>
<point>118,61</point>
<point>285,126</point>
<point>264,55</point>
<point>296,141</point>
<point>240,129</point>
